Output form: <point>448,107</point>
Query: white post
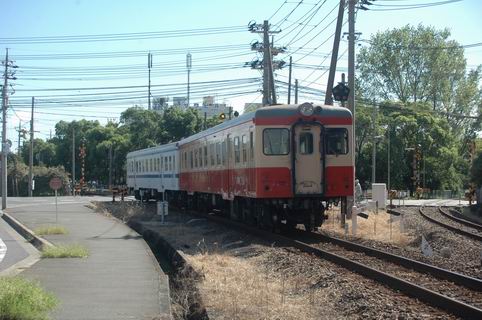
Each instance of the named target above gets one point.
<point>354,220</point>
<point>56,210</point>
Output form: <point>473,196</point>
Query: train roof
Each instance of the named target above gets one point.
<point>287,110</point>
<point>271,112</point>
<point>153,150</point>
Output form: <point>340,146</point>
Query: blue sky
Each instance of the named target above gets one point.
<point>223,61</point>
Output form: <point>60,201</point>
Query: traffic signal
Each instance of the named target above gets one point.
<point>341,92</point>
<point>222,116</point>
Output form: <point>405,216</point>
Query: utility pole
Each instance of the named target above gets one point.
<point>4,133</point>
<point>110,167</point>
<point>389,160</point>
<point>149,66</point>
<point>266,73</point>
<point>73,160</point>
<point>351,57</point>
<point>19,136</point>
<point>269,95</point>
<point>296,91</point>
<point>289,80</point>
<point>334,54</point>
<point>188,66</point>
<point>30,155</point>
<point>271,77</point>
<point>351,85</point>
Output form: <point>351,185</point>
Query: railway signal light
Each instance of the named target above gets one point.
<point>341,92</point>
<point>222,116</point>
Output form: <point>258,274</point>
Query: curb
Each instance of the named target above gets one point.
<point>25,232</point>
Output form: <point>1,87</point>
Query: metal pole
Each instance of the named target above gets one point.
<point>389,164</point>
<point>149,66</point>
<point>4,134</point>
<point>19,136</point>
<point>351,79</point>
<point>110,167</point>
<point>296,91</point>
<point>374,149</point>
<point>334,54</point>
<point>73,160</point>
<point>289,80</point>
<point>266,80</point>
<point>30,156</point>
<point>56,210</point>
<point>271,77</point>
<point>188,65</point>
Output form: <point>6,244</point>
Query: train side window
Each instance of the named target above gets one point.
<point>218,153</point>
<point>236,150</point>
<point>251,145</point>
<point>245,145</point>
<point>223,152</point>
<point>174,163</point>
<point>211,153</point>
<point>201,160</point>
<point>306,143</point>
<point>205,156</point>
<point>162,163</point>
<point>191,159</point>
<point>336,141</point>
<point>276,141</point>
<point>165,164</point>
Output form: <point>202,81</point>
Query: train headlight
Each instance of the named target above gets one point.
<point>306,109</point>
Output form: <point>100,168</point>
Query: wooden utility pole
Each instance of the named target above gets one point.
<point>334,54</point>
<point>289,80</point>
<point>110,167</point>
<point>30,154</point>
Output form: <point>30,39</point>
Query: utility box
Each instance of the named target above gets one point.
<point>379,194</point>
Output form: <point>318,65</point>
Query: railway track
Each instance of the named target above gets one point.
<point>455,226</point>
<point>458,294</point>
<point>457,216</point>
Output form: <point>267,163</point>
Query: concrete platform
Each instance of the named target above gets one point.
<point>120,279</point>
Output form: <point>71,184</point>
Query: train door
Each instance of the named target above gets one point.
<point>308,159</point>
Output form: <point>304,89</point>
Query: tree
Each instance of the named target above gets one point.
<point>421,64</point>
<point>476,170</point>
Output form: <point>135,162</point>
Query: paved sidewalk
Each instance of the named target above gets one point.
<point>119,280</point>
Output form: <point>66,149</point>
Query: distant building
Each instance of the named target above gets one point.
<point>179,102</point>
<point>211,108</point>
<point>160,104</point>
<point>208,100</point>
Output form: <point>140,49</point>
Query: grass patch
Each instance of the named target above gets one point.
<point>46,230</point>
<point>23,299</point>
<point>65,251</point>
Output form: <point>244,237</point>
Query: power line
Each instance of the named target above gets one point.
<point>124,36</point>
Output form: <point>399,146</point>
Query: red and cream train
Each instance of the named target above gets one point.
<point>278,164</point>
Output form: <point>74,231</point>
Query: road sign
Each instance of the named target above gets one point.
<point>55,183</point>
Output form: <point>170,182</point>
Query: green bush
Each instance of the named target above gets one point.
<point>21,299</point>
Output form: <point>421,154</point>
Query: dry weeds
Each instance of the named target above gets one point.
<point>377,227</point>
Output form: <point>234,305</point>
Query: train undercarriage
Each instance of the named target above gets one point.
<point>273,214</point>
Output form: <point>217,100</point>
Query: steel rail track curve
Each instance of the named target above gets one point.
<point>452,228</point>
<point>422,267</point>
<point>460,220</point>
<point>430,297</point>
